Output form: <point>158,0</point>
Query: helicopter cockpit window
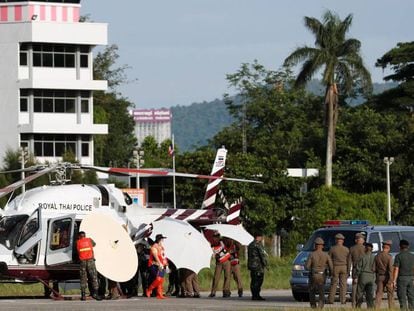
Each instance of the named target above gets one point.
<point>30,227</point>
<point>10,227</point>
<point>60,234</point>
<point>127,198</point>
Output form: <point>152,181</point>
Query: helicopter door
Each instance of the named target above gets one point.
<point>30,234</point>
<point>59,247</point>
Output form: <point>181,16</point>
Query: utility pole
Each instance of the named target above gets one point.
<point>173,162</point>
<point>388,161</point>
<point>139,161</point>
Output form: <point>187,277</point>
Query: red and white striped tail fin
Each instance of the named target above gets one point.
<point>223,199</point>
<point>218,171</point>
<point>233,214</point>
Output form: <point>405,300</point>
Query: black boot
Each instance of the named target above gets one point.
<point>96,296</point>
<point>240,292</point>
<point>83,296</point>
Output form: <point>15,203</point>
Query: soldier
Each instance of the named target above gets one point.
<point>403,276</point>
<point>383,269</point>
<point>84,247</point>
<point>365,278</point>
<point>355,254</point>
<point>222,264</point>
<point>339,255</point>
<point>256,263</point>
<point>317,263</point>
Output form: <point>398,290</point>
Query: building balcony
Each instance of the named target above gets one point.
<point>59,123</point>
<point>55,32</point>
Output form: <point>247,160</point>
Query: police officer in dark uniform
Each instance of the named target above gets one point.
<point>365,278</point>
<point>355,254</point>
<point>317,264</point>
<point>256,263</point>
<point>403,276</point>
<point>339,255</point>
<point>383,279</point>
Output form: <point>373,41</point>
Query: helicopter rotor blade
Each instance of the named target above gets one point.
<point>10,188</point>
<point>102,170</point>
<point>168,173</point>
<point>27,169</point>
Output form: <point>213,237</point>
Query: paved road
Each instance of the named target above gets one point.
<point>275,299</point>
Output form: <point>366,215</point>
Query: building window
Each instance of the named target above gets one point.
<point>24,100</point>
<point>54,55</point>
<point>49,145</point>
<point>23,58</point>
<point>85,149</point>
<point>53,101</point>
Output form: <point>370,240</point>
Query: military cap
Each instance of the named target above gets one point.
<point>387,242</point>
<point>319,241</point>
<point>360,235</point>
<point>339,236</point>
<point>369,245</point>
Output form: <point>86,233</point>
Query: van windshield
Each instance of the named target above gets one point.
<point>329,237</point>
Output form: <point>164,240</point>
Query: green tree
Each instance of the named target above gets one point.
<point>339,59</point>
<point>112,108</point>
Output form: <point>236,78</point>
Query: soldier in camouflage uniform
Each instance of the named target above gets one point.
<point>256,263</point>
<point>317,264</point>
<point>84,247</point>
<point>365,278</point>
<point>355,254</point>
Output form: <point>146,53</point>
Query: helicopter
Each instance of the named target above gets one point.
<point>38,228</point>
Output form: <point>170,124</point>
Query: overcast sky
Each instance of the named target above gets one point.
<point>181,50</point>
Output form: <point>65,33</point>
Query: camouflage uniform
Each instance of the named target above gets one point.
<point>256,263</point>
<point>88,268</point>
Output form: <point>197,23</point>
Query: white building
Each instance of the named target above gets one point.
<point>46,79</point>
<point>152,122</point>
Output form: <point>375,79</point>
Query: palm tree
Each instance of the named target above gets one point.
<point>339,60</point>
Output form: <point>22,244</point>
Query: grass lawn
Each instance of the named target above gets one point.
<point>276,277</point>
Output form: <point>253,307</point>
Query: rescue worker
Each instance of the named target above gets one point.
<point>339,255</point>
<point>383,270</point>
<point>222,257</point>
<point>234,249</point>
<point>84,247</point>
<point>143,250</point>
<point>365,278</point>
<point>173,280</point>
<point>256,263</point>
<point>317,264</point>
<point>355,254</point>
<point>403,276</point>
<point>157,265</point>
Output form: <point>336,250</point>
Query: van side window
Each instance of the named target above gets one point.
<point>393,236</point>
<point>409,236</point>
<point>374,238</point>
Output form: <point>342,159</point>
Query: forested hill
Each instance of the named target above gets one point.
<point>195,124</point>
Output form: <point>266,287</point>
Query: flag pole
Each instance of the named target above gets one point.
<point>173,159</point>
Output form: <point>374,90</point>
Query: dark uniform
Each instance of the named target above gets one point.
<point>339,255</point>
<point>404,265</point>
<point>355,254</point>
<point>317,263</point>
<point>383,270</point>
<point>256,263</point>
<point>365,277</point>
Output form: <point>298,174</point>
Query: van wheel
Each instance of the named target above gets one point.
<point>300,296</point>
